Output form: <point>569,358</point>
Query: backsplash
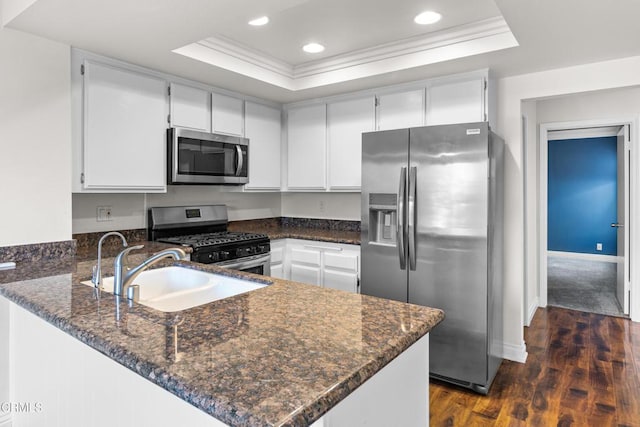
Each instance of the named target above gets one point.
<point>319,223</point>
<point>88,241</point>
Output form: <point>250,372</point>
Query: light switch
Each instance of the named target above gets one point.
<point>598,246</point>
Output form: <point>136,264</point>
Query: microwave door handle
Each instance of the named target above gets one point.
<point>239,160</point>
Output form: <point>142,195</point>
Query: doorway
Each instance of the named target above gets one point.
<point>584,208</point>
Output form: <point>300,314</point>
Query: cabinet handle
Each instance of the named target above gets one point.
<point>323,248</point>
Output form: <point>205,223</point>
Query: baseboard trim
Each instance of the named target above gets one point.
<point>532,310</point>
<point>515,353</point>
<point>5,420</point>
<point>589,257</point>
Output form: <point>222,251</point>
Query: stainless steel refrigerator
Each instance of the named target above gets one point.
<point>432,221</point>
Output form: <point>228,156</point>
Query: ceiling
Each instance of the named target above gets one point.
<point>368,43</point>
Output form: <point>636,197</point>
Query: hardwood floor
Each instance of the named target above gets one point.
<point>583,369</point>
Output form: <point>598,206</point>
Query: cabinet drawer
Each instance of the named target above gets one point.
<point>343,261</point>
<point>305,256</point>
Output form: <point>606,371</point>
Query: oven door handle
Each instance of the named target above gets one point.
<point>248,262</point>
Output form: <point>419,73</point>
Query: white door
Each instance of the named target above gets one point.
<point>346,121</point>
<point>455,102</point>
<point>306,147</point>
<point>401,110</point>
<point>190,107</point>
<point>125,123</point>
<point>262,127</point>
<point>227,114</point>
<point>622,225</point>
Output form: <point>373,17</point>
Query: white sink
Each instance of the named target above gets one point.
<point>177,288</point>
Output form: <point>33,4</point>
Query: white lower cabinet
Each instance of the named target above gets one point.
<point>330,265</point>
<point>277,259</point>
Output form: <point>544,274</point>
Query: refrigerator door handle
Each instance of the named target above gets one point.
<point>412,217</point>
<point>400,218</point>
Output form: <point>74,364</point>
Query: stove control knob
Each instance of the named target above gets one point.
<point>224,255</point>
<point>250,250</point>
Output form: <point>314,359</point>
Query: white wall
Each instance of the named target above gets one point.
<point>530,154</point>
<point>607,104</point>
<point>511,92</point>
<point>129,210</point>
<point>35,147</point>
<point>345,206</point>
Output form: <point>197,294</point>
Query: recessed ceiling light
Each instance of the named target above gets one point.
<point>259,21</point>
<point>428,17</point>
<point>313,48</point>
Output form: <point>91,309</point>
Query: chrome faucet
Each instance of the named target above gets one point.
<point>96,276</point>
<point>124,277</point>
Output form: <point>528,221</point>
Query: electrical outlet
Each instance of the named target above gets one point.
<point>103,213</point>
<point>598,246</point>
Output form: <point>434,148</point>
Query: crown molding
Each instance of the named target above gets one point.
<point>458,42</point>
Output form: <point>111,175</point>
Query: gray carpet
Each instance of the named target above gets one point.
<point>582,285</point>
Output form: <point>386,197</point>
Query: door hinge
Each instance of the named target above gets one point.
<point>169,90</point>
<point>358,285</point>
<point>376,101</point>
<point>82,178</point>
<point>486,119</point>
<point>485,85</point>
<point>82,69</point>
<point>169,118</point>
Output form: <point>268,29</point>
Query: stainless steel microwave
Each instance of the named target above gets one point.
<point>206,158</point>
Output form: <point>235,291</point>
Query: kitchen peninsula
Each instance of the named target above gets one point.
<point>287,354</point>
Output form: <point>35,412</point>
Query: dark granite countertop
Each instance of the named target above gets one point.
<point>281,355</point>
<point>298,232</point>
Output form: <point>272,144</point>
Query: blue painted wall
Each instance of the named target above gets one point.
<point>582,195</point>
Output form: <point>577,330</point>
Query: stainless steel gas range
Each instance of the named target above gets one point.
<point>204,229</point>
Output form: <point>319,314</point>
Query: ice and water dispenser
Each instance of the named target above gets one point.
<point>383,222</point>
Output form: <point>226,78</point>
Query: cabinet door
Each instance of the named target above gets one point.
<point>455,102</point>
<point>124,130</point>
<point>305,273</point>
<point>346,121</point>
<point>262,127</point>
<point>190,107</point>
<point>340,269</point>
<point>277,271</point>
<point>305,265</point>
<point>401,110</point>
<point>342,280</point>
<point>227,114</point>
<point>307,130</point>
<point>277,259</point>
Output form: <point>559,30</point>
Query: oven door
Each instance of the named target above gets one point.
<point>258,264</point>
<point>206,158</point>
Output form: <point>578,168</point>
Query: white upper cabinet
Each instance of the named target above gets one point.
<point>124,130</point>
<point>227,114</point>
<point>455,102</point>
<point>306,148</point>
<point>190,107</point>
<point>401,109</point>
<point>263,128</point>
<point>346,121</point>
